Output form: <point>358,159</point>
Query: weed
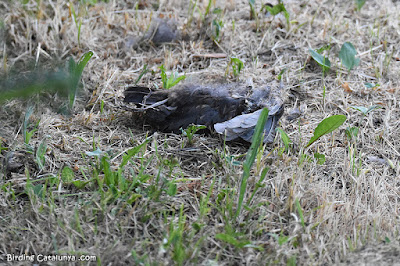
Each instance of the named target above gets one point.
<point>278,8</point>
<point>347,56</point>
<point>32,83</point>
<point>217,25</point>
<point>172,80</point>
<point>254,13</point>
<point>75,71</point>
<point>26,125</point>
<point>285,138</point>
<point>237,66</point>
<point>327,126</point>
<point>320,158</point>
<point>366,110</point>
<point>190,131</point>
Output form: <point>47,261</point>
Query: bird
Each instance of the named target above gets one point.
<point>230,109</point>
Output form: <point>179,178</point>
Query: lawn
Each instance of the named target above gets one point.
<point>80,177</point>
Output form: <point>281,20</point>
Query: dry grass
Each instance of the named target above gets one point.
<point>350,207</point>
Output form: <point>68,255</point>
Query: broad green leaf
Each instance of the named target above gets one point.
<point>347,56</point>
<point>321,60</point>
<point>327,125</point>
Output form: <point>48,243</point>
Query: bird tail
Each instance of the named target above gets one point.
<point>143,95</point>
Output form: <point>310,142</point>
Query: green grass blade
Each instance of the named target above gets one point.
<point>251,155</point>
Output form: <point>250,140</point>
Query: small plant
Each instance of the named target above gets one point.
<point>233,240</point>
<point>351,134</point>
<point>276,9</point>
<point>217,25</point>
<point>172,80</point>
<point>190,131</point>
<point>327,125</point>
<point>26,125</point>
<point>78,24</point>
<point>253,13</point>
<point>236,64</point>
<point>16,86</point>
<point>320,158</point>
<point>366,110</point>
<point>285,139</point>
<point>75,71</point>
<point>347,56</point>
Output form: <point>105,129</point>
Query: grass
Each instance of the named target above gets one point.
<point>89,183</point>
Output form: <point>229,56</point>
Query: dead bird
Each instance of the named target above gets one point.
<point>230,109</point>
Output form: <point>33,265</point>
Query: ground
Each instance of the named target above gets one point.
<point>90,181</point>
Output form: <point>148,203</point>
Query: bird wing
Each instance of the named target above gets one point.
<point>243,126</point>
